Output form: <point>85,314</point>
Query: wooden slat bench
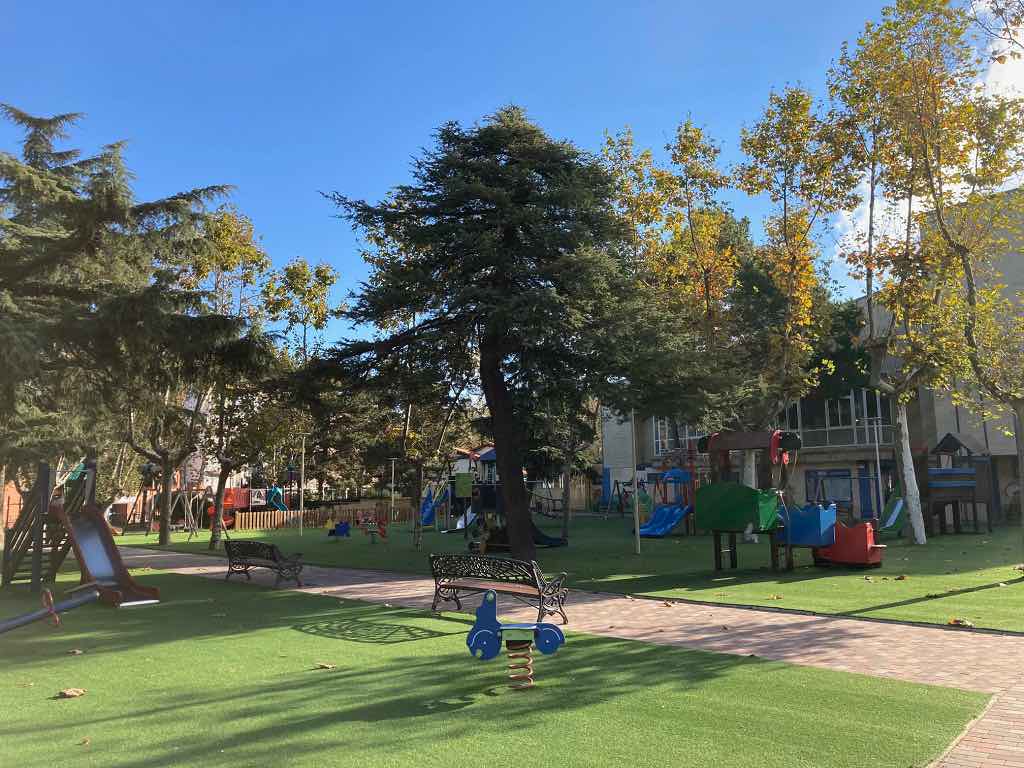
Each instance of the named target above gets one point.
<point>459,575</point>
<point>243,555</point>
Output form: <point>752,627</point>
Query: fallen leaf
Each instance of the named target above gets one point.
<point>322,665</point>
<point>85,742</point>
<point>630,597</point>
<point>667,604</point>
<point>959,623</point>
<point>774,597</point>
<point>901,577</point>
<point>75,652</point>
<point>725,628</point>
<point>71,693</point>
<point>868,578</point>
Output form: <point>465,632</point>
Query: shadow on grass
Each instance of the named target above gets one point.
<point>358,631</point>
<point>933,596</point>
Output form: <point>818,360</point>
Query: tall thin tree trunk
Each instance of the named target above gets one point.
<point>217,528</point>
<point>167,467</point>
<point>911,494</point>
<point>508,441</point>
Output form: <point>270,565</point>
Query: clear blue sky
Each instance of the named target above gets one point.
<point>282,99</point>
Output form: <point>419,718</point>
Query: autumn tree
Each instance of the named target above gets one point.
<point>298,295</point>
<point>967,146</point>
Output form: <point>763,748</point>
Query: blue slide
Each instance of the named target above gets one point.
<point>428,508</point>
<point>275,499</point>
<point>664,520</point>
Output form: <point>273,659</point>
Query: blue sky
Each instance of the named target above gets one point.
<point>283,99</point>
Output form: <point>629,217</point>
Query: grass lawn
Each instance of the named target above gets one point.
<point>224,675</point>
<point>968,576</point>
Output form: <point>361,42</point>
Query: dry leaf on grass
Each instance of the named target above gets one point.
<point>901,577</point>
<point>959,623</point>
<point>667,604</point>
<point>75,652</point>
<point>85,742</point>
<point>71,693</point>
<point>774,597</point>
<point>322,665</point>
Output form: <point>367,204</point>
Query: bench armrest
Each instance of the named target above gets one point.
<point>556,584</point>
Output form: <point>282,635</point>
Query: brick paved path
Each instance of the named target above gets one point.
<point>978,661</point>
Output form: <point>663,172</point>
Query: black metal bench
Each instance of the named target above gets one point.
<point>458,575</point>
<point>243,555</point>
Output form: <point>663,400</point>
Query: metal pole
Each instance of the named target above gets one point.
<point>391,503</point>
<point>636,497</point>
<point>878,465</point>
<point>302,485</point>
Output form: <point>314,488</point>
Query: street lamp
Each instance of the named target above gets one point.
<point>302,482</point>
<point>391,504</point>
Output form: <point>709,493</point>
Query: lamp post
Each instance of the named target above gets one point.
<point>302,483</point>
<point>391,503</point>
<point>636,496</point>
<point>876,421</point>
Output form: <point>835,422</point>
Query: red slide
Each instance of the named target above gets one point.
<point>99,558</point>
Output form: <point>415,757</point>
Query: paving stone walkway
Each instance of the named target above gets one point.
<point>977,661</point>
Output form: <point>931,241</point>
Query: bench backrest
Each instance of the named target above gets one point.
<point>254,550</point>
<point>504,569</point>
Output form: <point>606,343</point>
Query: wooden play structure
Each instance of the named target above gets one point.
<point>960,480</point>
<point>58,521</point>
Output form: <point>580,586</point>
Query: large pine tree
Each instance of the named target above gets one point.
<point>497,262</point>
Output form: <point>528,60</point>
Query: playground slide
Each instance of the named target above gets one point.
<point>465,520</point>
<point>893,516</point>
<point>100,560</point>
<point>541,539</point>
<point>276,500</point>
<point>428,509</point>
<point>672,516</point>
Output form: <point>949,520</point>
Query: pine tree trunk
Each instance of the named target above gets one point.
<point>217,528</point>
<point>911,494</point>
<point>165,499</point>
<point>508,441</point>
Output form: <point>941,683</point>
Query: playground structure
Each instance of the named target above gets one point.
<point>732,509</point>
<point>668,515</point>
<point>491,517</point>
<point>962,478</point>
<point>58,521</point>
<point>487,635</point>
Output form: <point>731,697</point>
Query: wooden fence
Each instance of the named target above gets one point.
<point>350,512</point>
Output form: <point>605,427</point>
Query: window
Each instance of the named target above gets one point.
<point>827,485</point>
<point>665,436</point>
<point>813,413</point>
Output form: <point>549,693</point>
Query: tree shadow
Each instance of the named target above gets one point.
<point>358,631</point>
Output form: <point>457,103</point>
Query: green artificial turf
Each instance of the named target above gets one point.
<point>225,675</point>
<point>970,577</point>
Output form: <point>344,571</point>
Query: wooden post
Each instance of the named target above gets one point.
<point>44,488</point>
<point>718,550</point>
